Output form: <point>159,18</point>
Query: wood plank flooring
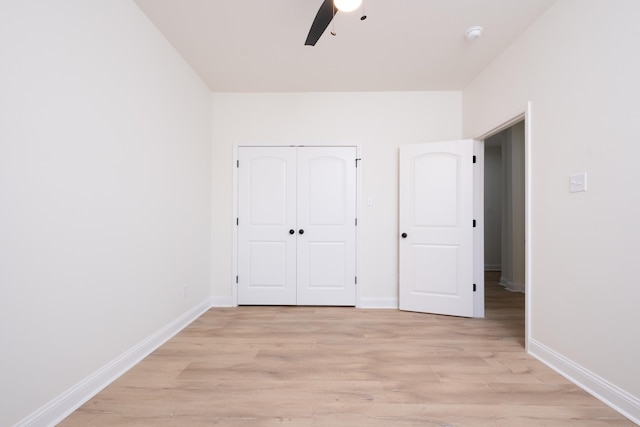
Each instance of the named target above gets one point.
<point>327,366</point>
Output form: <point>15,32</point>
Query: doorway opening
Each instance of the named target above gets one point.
<point>504,224</point>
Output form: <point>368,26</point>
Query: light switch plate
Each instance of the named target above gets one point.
<point>578,183</point>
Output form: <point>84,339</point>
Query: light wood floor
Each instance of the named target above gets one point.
<point>325,366</point>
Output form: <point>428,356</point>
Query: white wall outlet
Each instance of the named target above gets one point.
<point>370,201</point>
<point>578,182</point>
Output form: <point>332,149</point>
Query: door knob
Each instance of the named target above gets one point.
<point>404,235</point>
<point>301,231</point>
<point>292,231</point>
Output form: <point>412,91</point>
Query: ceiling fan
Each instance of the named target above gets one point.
<point>327,11</point>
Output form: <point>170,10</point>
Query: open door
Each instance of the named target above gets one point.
<point>436,228</point>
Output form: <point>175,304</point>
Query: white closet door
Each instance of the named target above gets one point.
<point>296,230</point>
<point>267,215</point>
<point>326,226</point>
<point>436,226</point>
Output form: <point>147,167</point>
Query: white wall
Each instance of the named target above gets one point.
<point>578,65</point>
<point>493,203</point>
<point>514,206</point>
<point>379,122</point>
<point>105,142</point>
<point>512,183</point>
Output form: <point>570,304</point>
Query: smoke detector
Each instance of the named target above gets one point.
<point>473,33</point>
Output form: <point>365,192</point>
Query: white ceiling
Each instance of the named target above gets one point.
<point>403,45</point>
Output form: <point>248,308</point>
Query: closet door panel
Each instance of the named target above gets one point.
<point>326,209</point>
<point>266,214</point>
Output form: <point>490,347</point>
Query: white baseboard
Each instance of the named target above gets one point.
<point>222,302</point>
<point>615,397</point>
<point>512,286</point>
<point>378,303</point>
<point>364,302</point>
<point>515,287</point>
<point>62,406</point>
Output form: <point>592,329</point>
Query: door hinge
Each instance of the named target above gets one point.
<point>237,163</point>
<point>474,223</point>
<point>356,222</point>
<point>474,287</point>
<point>357,160</point>
<point>474,159</point>
<point>237,221</point>
<point>236,279</point>
<point>356,282</point>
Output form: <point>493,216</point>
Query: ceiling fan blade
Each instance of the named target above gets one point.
<point>321,22</point>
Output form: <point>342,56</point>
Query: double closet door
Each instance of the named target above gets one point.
<point>296,226</point>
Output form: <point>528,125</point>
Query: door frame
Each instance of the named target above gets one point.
<point>478,231</point>
<point>234,249</point>
<point>523,114</point>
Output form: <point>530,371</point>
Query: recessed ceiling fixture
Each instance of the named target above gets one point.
<point>347,5</point>
<point>474,32</point>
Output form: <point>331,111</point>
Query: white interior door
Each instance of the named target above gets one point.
<point>327,215</point>
<point>296,225</point>
<point>266,226</point>
<point>436,228</point>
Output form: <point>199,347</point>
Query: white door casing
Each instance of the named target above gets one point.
<point>436,216</point>
<point>296,231</point>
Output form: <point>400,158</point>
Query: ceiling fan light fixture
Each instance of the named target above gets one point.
<point>347,5</point>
